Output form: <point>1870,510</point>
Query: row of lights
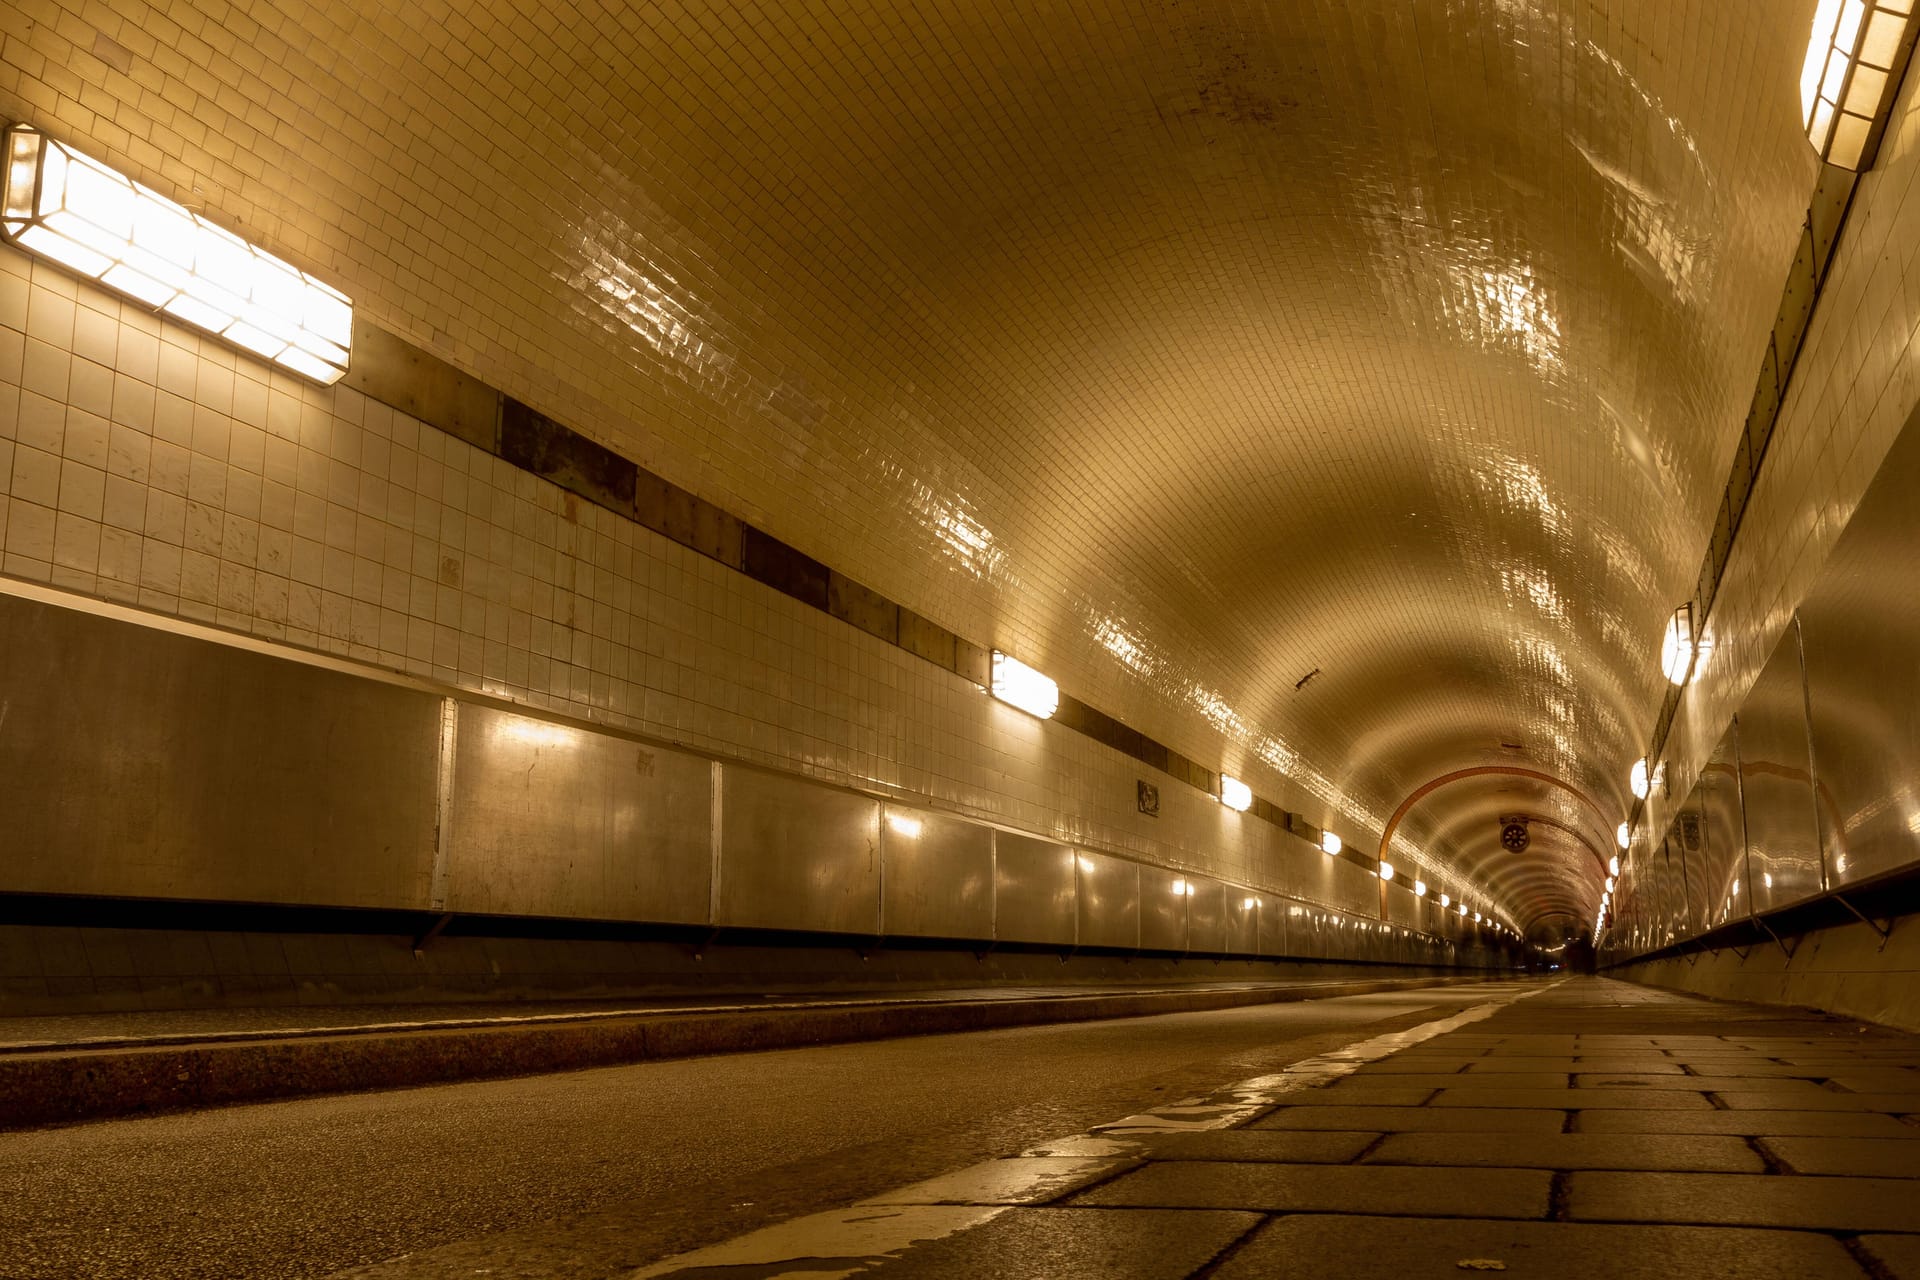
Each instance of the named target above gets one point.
<point>1027,689</point>
<point>1856,53</point>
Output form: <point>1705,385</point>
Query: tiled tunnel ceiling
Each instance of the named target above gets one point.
<point>1179,348</point>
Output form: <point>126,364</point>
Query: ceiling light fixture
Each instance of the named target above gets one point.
<point>1235,794</point>
<point>1855,54</point>
<point>1019,685</point>
<point>73,210</point>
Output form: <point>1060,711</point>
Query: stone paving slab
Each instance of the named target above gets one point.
<point>1817,1099</point>
<point>1418,1120</point>
<point>1697,1084</point>
<point>1460,1080</point>
<point>1739,1200</point>
<point>1848,1157</point>
<point>1070,1244</point>
<point>1366,1248</point>
<point>1286,1188</point>
<point>1572,1151</point>
<point>1834,1124</point>
<point>1575,1099</point>
<point>1274,1146</point>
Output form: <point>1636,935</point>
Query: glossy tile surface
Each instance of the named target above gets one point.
<point>1182,352</point>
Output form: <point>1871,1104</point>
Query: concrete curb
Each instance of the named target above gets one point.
<point>64,1086</point>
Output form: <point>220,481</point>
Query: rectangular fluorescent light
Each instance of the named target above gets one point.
<point>1235,794</point>
<point>1019,685</point>
<point>73,210</point>
<point>1855,54</point>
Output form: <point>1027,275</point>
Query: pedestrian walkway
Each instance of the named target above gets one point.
<point>1585,1128</point>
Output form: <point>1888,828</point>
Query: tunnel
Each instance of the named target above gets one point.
<point>1103,638</point>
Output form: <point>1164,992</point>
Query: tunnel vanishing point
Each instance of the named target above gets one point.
<point>544,536</point>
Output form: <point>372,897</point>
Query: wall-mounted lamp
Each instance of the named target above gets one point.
<point>1677,649</point>
<point>1613,866</point>
<point>1235,794</point>
<point>73,210</point>
<point>1019,685</point>
<point>1856,52</point>
<point>1419,888</point>
<point>1330,843</point>
<point>1637,780</point>
<point>1445,902</point>
<point>1623,835</point>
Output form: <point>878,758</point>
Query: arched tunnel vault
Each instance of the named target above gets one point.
<point>1459,819</point>
<point>1180,350</point>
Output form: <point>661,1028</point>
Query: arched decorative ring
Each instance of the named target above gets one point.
<point>1483,770</point>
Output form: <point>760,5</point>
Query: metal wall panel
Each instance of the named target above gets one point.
<point>1109,900</point>
<point>938,875</point>
<point>1718,789</point>
<point>1775,779</point>
<point>1241,927</point>
<point>551,820</point>
<point>1033,890</point>
<point>797,855</point>
<point>1163,909</point>
<point>140,763</point>
<point>1274,916</point>
<point>1862,634</point>
<point>1206,916</point>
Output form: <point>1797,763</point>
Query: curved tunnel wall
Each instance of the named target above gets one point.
<point>1807,808</point>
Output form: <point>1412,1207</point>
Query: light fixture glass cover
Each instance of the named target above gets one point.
<point>1019,685</point>
<point>1637,780</point>
<point>1330,843</point>
<point>1855,53</point>
<point>1445,901</point>
<point>1676,647</point>
<point>1613,866</point>
<point>1623,835</point>
<point>73,210</point>
<point>1386,871</point>
<point>1419,888</point>
<point>1235,794</point>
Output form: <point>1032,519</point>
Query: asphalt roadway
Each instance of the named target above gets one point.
<point>590,1173</point>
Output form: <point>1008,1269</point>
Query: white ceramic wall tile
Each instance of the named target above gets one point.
<point>1856,386</point>
<point>326,521</point>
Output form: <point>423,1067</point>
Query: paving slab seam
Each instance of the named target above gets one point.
<point>1864,1258</point>
<point>889,1226</point>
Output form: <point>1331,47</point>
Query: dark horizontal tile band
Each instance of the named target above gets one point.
<point>389,369</point>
